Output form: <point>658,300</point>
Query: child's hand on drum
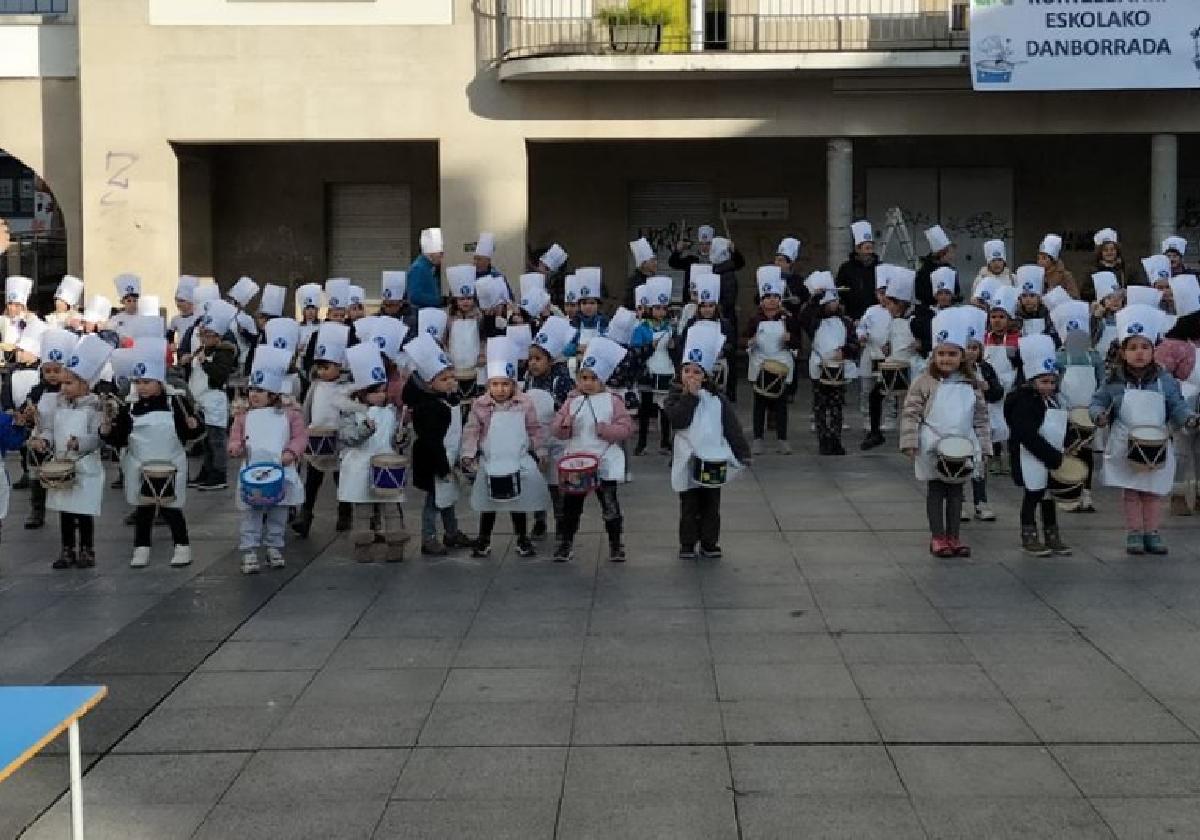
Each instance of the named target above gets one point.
<point>288,459</point>
<point>234,449</point>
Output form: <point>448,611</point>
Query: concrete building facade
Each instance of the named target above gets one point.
<point>229,137</point>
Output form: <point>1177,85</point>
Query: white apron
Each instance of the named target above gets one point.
<point>464,343</point>
<point>1107,336</point>
<point>504,451</point>
<point>1034,474</point>
<point>24,381</point>
<point>88,493</point>
<point>1033,326</point>
<point>153,439</point>
<point>586,336</point>
<point>245,331</point>
<point>768,344</point>
<point>267,433</point>
<point>704,439</point>
<point>997,356</point>
<point>951,414</point>
<point>323,405</point>
<point>543,404</point>
<point>876,327</point>
<point>829,338</point>
<point>445,490</point>
<point>212,401</point>
<point>5,492</point>
<point>901,340</point>
<point>1190,387</point>
<point>1078,385</point>
<point>354,480</point>
<point>1139,407</point>
<point>586,412</point>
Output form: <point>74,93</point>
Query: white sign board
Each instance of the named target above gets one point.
<point>1095,45</point>
<point>755,208</point>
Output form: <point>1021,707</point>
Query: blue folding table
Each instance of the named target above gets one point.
<point>31,716</point>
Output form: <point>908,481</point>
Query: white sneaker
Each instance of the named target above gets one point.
<point>275,558</point>
<point>141,557</point>
<point>1085,501</point>
<point>757,447</point>
<point>250,563</point>
<point>784,448</point>
<point>984,513</point>
<point>182,556</point>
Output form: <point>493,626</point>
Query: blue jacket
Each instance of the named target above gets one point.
<point>11,436</point>
<point>424,284</point>
<point>1108,396</point>
<point>598,322</point>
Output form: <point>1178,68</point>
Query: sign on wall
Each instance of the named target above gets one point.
<point>1071,45</point>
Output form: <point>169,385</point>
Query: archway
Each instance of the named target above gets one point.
<point>35,228</point>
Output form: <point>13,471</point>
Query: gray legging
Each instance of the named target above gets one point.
<point>943,506</point>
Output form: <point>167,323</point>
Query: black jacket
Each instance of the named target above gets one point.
<point>993,391</point>
<point>636,279</point>
<point>924,280</point>
<point>729,284</point>
<point>727,329</point>
<point>122,425</point>
<point>858,279</point>
<point>1024,411</point>
<point>684,263</point>
<point>680,407</point>
<point>430,420</point>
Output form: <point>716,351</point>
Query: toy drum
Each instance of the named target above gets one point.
<point>1066,482</point>
<point>578,473</point>
<point>261,485</point>
<point>895,376</point>
<point>772,379</point>
<point>832,373</point>
<point>954,459</point>
<point>388,475</point>
<point>57,475</point>
<point>1081,431</point>
<point>709,473</point>
<point>322,451</point>
<point>659,383</point>
<point>37,459</point>
<point>504,488</point>
<point>1147,447</point>
<point>158,483</point>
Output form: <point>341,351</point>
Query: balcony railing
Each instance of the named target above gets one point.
<point>35,7</point>
<point>515,29</point>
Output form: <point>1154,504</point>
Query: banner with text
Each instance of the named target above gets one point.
<point>1085,44</point>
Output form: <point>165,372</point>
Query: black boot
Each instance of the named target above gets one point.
<point>303,522</point>
<point>66,559</point>
<point>616,551</point>
<point>36,519</point>
<point>872,440</point>
<point>345,516</point>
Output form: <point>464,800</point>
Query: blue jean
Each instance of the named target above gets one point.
<point>429,517</point>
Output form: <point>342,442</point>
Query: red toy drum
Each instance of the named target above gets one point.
<point>578,473</point>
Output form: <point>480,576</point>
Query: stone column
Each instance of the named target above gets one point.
<point>839,162</point>
<point>1164,187</point>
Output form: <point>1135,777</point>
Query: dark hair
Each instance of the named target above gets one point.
<point>1187,328</point>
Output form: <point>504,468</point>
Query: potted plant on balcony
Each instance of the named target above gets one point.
<point>636,28</point>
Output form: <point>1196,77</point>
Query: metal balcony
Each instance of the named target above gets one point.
<point>35,7</point>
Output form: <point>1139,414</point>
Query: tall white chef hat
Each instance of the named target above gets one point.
<point>708,288</point>
<point>366,366</point>
<point>392,285</point>
<point>490,291</point>
<point>17,289</point>
<point>603,356</point>
<point>1139,320</point>
<point>148,358</point>
<point>985,292</point>
<point>535,302</point>
<point>554,257</point>
<point>337,292</point>
<point>789,247</point>
<point>140,326</point>
<point>901,283</point>
<point>530,282</point>
<point>1157,268</point>
<point>57,345</point>
<point>332,338</point>
<point>1056,297</point>
<point>976,320</point>
<point>427,356</point>
<point>642,250</point>
<point>98,310</point>
<point>205,293</point>
<point>705,233</point>
<point>88,358</point>
<point>1071,316</point>
<point>862,231</point>
<point>950,327</point>
<point>703,345</point>
<point>994,249</point>
<point>486,246</point>
<point>70,290</point>
<point>308,295</point>
<point>1037,355</point>
<point>1006,299</point>
<point>621,325</point>
<point>1031,279</point>
<point>272,300</point>
<point>243,291</point>
<point>590,280</point>
<point>937,239</point>
<point>269,369</point>
<point>1186,291</point>
<point>501,358</point>
<point>1175,243</point>
<point>1051,245</point>
<point>127,284</point>
<point>31,337</point>
<point>883,273</point>
<point>819,281</point>
<point>185,287</point>
<point>1143,296</point>
<point>660,290</point>
<point>641,295</point>
<point>721,250</point>
<point>218,315</point>
<point>1105,235</point>
<point>944,279</point>
<point>283,333</point>
<point>358,295</point>
<point>432,321</point>
<point>147,305</point>
<point>571,284</point>
<point>770,280</point>
<point>385,333</point>
<point>521,336</point>
<point>461,280</point>
<point>1106,283</point>
<point>431,241</point>
<point>554,335</point>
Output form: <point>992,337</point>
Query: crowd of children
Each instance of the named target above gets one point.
<point>521,407</point>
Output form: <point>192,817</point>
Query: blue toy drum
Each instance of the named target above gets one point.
<point>262,485</point>
<point>389,473</point>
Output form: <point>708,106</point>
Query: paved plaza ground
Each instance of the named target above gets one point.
<point>827,678</point>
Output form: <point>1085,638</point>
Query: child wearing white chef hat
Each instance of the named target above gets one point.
<point>658,332</point>
<point>995,266</point>
<point>504,442</point>
<point>322,411</point>
<point>1178,354</point>
<point>595,422</point>
<point>834,346</point>
<point>710,446</point>
<point>71,431</point>
<point>1139,403</point>
<point>1082,370</point>
<point>1049,259</point>
<point>208,370</point>
<point>154,427</point>
<point>66,302</point>
<point>772,337</point>
<point>271,432</point>
<point>1032,314</point>
<point>548,383</point>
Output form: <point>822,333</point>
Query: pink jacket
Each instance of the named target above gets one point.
<point>618,429</point>
<point>1176,356</point>
<point>297,434</point>
<point>481,418</point>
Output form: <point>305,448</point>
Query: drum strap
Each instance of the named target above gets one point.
<point>595,422</point>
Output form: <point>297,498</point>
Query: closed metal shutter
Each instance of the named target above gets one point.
<point>370,230</point>
<point>665,211</point>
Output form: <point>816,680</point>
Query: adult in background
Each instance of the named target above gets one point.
<point>424,275</point>
<point>941,253</point>
<point>681,261</point>
<point>1057,275</point>
<point>1109,258</point>
<point>645,266</point>
<point>856,276</point>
